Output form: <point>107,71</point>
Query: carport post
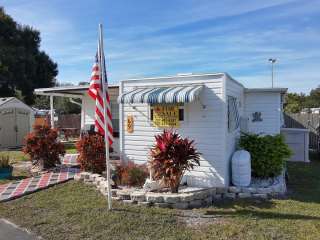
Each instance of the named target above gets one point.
<point>51,112</point>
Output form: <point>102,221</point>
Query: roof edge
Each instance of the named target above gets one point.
<point>66,88</point>
<point>180,75</point>
<point>252,90</point>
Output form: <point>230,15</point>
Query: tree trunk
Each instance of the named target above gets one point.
<point>175,183</point>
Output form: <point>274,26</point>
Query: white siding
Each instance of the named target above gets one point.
<point>236,90</point>
<point>269,104</point>
<point>205,125</point>
<point>88,109</point>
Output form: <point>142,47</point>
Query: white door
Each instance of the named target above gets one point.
<point>7,128</point>
<point>22,125</point>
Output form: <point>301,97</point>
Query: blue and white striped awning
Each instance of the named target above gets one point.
<point>154,95</point>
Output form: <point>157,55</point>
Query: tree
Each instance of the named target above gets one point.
<point>23,67</point>
<point>295,102</point>
<point>313,100</point>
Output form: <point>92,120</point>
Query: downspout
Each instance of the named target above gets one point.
<point>51,112</point>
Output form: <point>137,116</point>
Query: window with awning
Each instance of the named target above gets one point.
<point>162,95</point>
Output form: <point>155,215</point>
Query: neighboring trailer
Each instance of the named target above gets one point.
<point>211,116</point>
<point>16,120</point>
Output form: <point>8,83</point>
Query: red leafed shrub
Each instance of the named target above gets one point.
<point>131,174</point>
<point>43,146</point>
<point>171,156</point>
<point>91,148</point>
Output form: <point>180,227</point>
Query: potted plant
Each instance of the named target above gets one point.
<point>5,167</point>
<point>171,157</point>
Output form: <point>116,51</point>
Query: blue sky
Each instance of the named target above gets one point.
<point>165,37</point>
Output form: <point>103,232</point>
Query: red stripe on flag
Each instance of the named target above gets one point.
<point>95,92</point>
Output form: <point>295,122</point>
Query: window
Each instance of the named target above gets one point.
<point>181,114</point>
<point>233,114</point>
<point>115,118</point>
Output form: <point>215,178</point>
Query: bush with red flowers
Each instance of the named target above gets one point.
<point>91,148</point>
<point>171,157</point>
<point>43,146</point>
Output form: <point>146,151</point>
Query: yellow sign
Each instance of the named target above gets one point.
<point>166,115</point>
<point>130,123</point>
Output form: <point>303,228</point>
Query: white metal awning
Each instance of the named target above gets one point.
<point>154,95</point>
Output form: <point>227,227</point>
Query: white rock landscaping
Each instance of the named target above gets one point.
<point>188,197</point>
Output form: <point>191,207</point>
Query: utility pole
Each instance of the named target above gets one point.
<point>272,61</point>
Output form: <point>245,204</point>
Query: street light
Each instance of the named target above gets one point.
<point>272,61</point>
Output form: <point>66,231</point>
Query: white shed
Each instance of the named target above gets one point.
<point>16,120</point>
<point>208,108</point>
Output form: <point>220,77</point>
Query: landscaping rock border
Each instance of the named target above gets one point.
<point>188,198</point>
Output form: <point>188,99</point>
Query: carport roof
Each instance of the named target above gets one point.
<point>67,90</point>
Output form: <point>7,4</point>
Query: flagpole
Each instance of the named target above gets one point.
<point>104,90</point>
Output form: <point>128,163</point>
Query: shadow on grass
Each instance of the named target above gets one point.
<point>12,179</point>
<point>226,211</point>
<point>261,214</point>
<point>304,181</point>
<point>245,203</point>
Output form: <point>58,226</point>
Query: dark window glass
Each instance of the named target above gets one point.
<point>151,114</point>
<point>115,126</point>
<point>181,114</point>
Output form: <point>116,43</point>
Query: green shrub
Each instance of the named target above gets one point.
<point>4,161</point>
<point>268,154</point>
<point>131,174</point>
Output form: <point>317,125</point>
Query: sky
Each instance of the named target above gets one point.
<point>164,37</point>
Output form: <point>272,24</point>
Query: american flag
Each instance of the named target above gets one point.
<point>96,92</point>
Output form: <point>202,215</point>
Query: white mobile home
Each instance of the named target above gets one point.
<point>208,108</point>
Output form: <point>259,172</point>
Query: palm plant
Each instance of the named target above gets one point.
<point>171,157</point>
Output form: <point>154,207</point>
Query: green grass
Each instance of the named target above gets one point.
<point>15,156</point>
<point>76,211</point>
<point>70,148</point>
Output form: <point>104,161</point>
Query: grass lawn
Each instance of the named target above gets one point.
<point>76,211</point>
<point>15,156</point>
<point>70,148</point>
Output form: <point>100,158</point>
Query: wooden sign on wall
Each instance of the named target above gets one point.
<point>166,115</point>
<point>130,123</point>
